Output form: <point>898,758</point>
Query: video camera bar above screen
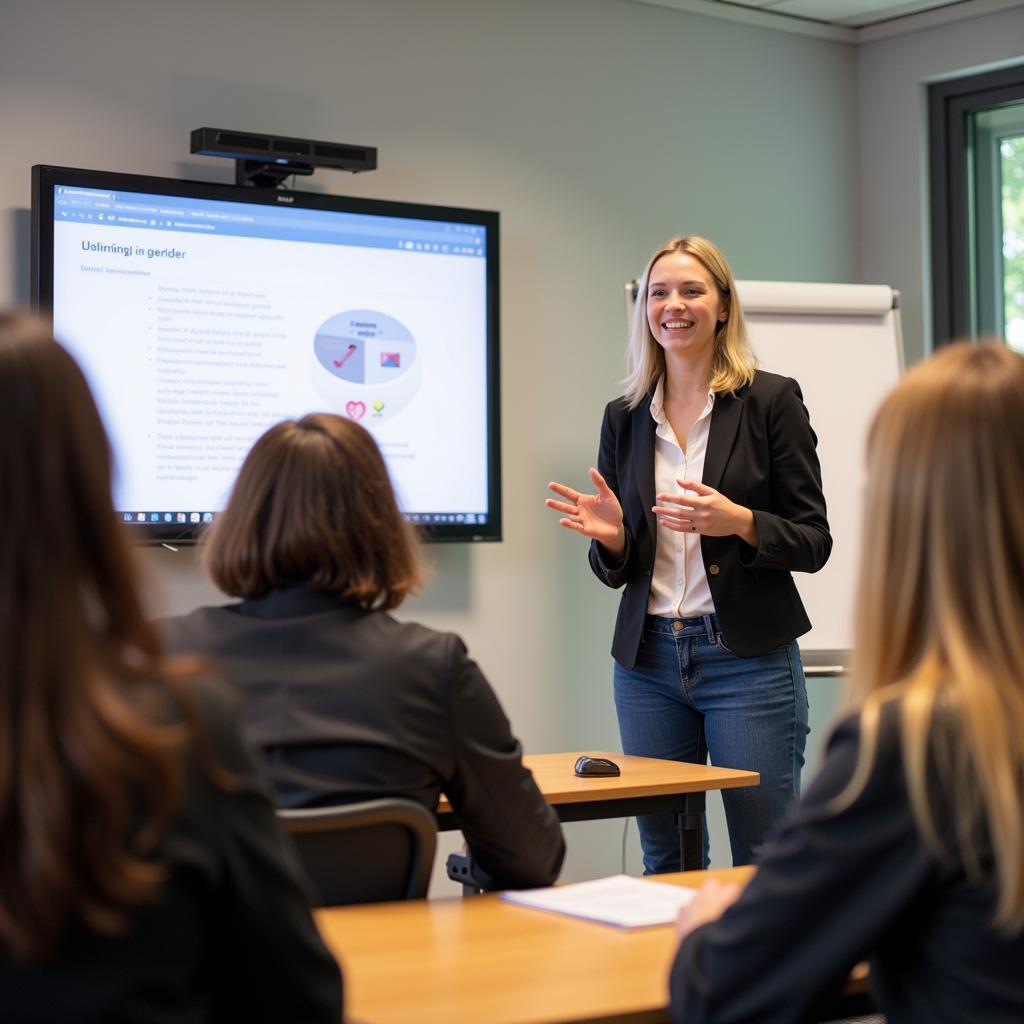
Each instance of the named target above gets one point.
<point>202,314</point>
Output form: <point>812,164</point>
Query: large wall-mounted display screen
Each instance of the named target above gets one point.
<point>202,314</point>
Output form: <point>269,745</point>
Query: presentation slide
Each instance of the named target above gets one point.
<point>201,323</point>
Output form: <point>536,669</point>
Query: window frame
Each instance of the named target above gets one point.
<point>950,139</point>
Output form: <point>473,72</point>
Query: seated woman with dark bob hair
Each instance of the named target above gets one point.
<point>143,877</point>
<point>345,702</point>
<point>908,848</point>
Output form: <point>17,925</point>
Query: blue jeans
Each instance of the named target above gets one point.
<point>690,696</point>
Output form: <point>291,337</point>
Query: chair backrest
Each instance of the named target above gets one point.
<point>365,852</point>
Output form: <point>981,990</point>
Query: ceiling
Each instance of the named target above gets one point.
<point>851,13</point>
<point>848,21</point>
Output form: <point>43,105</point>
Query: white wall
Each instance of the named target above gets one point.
<point>597,128</point>
<point>892,103</point>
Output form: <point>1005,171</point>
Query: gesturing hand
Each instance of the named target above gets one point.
<point>706,511</point>
<point>598,516</point>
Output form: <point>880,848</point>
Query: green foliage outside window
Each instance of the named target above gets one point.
<point>1012,153</point>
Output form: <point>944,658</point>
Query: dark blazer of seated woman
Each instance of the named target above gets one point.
<point>908,848</point>
<point>344,702</point>
<point>228,937</point>
<point>143,876</point>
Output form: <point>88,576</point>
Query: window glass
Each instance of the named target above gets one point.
<point>1011,152</point>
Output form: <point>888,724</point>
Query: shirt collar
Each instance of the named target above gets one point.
<point>658,402</point>
<point>287,602</point>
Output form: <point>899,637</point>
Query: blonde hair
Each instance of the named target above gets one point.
<point>733,362</point>
<point>940,605</point>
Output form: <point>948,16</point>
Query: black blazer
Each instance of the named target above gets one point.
<point>348,705</point>
<point>761,454</point>
<point>230,937</point>
<point>833,888</point>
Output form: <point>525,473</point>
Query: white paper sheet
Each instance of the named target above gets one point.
<point>619,900</point>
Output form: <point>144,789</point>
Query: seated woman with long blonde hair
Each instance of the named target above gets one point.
<point>908,849</point>
<point>142,874</point>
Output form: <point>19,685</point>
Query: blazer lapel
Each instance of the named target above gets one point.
<point>725,421</point>
<point>643,460</point>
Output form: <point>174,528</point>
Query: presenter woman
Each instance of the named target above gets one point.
<point>908,848</point>
<point>708,497</point>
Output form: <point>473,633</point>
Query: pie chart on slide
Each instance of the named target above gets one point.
<point>365,364</point>
<point>363,346</point>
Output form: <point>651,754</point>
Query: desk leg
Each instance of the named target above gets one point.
<point>690,822</point>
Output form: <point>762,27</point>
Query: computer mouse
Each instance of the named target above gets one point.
<point>593,766</point>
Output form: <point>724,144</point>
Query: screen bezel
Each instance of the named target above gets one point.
<point>45,177</point>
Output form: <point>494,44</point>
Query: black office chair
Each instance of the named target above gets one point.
<point>365,852</point>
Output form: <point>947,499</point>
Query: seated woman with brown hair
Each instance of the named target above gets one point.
<point>142,874</point>
<point>345,702</point>
<point>908,848</point>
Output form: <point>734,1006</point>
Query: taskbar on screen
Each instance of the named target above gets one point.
<point>432,518</point>
<point>195,518</point>
<point>166,518</point>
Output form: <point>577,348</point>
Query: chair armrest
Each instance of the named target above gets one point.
<point>461,869</point>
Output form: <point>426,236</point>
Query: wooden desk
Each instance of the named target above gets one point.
<point>647,785</point>
<point>483,961</point>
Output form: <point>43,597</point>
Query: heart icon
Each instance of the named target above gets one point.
<point>355,410</point>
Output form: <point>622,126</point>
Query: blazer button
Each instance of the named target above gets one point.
<point>713,569</point>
